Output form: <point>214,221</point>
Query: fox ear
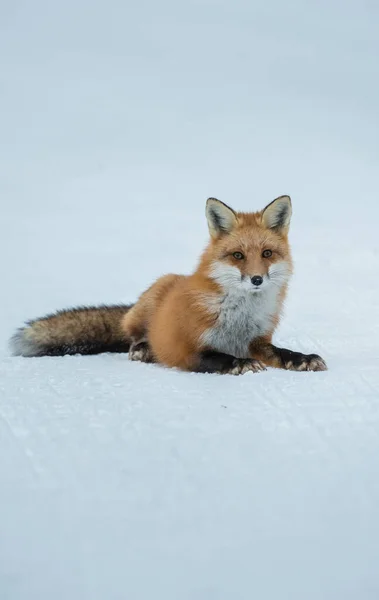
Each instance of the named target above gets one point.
<point>221,218</point>
<point>277,215</point>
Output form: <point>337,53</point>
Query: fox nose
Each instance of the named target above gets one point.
<point>257,280</point>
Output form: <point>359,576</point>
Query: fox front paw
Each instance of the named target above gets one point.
<point>241,366</point>
<point>296,361</point>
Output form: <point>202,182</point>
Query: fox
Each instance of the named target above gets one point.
<point>219,319</point>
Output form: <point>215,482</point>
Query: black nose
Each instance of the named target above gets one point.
<point>257,280</point>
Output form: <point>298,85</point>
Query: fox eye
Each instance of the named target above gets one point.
<point>238,255</point>
<point>267,253</point>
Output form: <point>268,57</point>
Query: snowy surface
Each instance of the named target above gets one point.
<point>128,481</point>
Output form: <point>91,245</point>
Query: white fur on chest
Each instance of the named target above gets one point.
<point>241,317</point>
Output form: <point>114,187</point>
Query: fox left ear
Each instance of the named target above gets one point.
<point>221,218</point>
<point>277,215</point>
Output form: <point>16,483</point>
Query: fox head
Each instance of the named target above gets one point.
<point>249,251</point>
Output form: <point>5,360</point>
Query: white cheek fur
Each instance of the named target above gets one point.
<point>226,275</point>
<point>242,314</point>
<point>230,277</point>
<point>279,273</point>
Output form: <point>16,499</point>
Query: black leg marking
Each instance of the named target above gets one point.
<point>218,362</point>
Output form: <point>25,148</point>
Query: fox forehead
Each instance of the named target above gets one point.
<point>251,239</point>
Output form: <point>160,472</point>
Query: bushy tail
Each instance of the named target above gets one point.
<point>84,330</point>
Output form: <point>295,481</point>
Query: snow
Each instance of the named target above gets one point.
<point>128,481</point>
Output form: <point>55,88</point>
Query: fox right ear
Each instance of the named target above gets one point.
<point>277,215</point>
<point>221,218</point>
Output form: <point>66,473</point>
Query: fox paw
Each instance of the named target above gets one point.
<point>243,365</point>
<point>296,361</point>
<point>141,352</point>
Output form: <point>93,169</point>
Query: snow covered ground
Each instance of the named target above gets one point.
<point>128,481</point>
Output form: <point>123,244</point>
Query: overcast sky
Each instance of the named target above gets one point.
<point>244,100</point>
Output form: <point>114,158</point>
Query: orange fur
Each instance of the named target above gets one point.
<point>220,319</point>
<point>173,314</point>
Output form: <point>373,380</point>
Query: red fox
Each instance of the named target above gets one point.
<point>220,319</point>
